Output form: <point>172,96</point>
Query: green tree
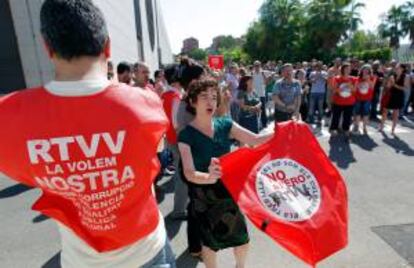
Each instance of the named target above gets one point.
<point>198,54</point>
<point>254,40</point>
<point>293,30</point>
<point>227,42</point>
<point>364,40</point>
<point>282,21</point>
<point>330,21</point>
<point>355,16</point>
<point>408,20</point>
<point>391,26</point>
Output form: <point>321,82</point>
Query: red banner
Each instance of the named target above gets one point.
<point>289,189</point>
<point>216,62</point>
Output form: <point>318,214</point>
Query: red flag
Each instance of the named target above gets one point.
<point>290,190</point>
<point>216,61</point>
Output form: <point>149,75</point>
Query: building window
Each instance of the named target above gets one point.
<point>138,25</point>
<point>150,19</point>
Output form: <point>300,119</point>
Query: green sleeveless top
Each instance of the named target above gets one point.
<point>203,148</point>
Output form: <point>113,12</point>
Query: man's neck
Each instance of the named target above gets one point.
<point>84,68</point>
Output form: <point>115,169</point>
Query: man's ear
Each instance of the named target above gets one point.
<point>107,48</point>
<point>49,51</point>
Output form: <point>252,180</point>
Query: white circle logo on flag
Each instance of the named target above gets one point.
<point>345,90</point>
<point>363,88</point>
<point>288,190</point>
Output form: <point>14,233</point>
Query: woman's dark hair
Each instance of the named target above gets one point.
<point>189,74</point>
<point>243,82</point>
<point>344,66</point>
<point>404,67</point>
<point>196,88</point>
<point>242,71</point>
<point>185,61</point>
<point>73,28</point>
<point>172,74</point>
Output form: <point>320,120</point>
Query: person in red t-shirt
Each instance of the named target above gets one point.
<point>89,146</point>
<point>171,100</point>
<point>343,100</point>
<point>364,94</point>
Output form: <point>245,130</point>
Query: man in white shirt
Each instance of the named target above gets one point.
<point>232,80</point>
<point>318,79</point>
<point>259,85</point>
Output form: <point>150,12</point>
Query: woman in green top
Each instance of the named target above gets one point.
<point>205,138</point>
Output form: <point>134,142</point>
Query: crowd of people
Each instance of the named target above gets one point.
<point>350,91</point>
<point>205,113</point>
<point>211,110</point>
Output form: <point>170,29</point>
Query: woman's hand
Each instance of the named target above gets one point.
<point>296,116</point>
<point>214,170</point>
<point>257,109</point>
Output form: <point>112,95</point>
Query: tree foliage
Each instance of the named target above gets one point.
<point>292,30</point>
<point>296,30</point>
<point>408,20</point>
<point>364,40</point>
<point>198,54</point>
<point>397,23</point>
<point>391,26</point>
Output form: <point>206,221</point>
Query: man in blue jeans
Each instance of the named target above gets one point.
<point>318,80</point>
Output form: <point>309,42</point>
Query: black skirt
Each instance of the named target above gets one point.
<point>396,99</point>
<point>221,224</point>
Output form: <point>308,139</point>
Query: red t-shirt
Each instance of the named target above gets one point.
<point>93,157</point>
<point>365,92</point>
<point>168,99</point>
<point>345,96</point>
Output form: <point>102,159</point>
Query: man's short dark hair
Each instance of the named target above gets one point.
<point>157,73</point>
<point>73,28</point>
<point>123,67</point>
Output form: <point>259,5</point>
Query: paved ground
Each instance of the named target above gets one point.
<point>379,173</point>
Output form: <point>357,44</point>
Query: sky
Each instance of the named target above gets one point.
<point>205,19</point>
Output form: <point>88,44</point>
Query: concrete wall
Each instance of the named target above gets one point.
<point>120,17</point>
<point>36,65</point>
<point>166,51</point>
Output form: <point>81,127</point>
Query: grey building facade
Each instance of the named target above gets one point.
<point>136,29</point>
